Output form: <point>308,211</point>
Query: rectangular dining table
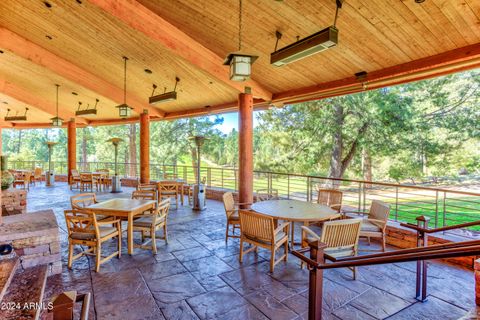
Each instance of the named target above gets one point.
<point>127,208</point>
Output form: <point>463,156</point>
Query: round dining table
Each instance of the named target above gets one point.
<point>296,211</point>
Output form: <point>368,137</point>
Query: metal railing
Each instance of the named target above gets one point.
<point>316,261</point>
<point>443,206</point>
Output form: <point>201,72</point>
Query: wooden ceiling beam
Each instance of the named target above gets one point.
<point>35,101</point>
<point>142,19</point>
<point>68,70</point>
<point>460,59</point>
<point>259,104</point>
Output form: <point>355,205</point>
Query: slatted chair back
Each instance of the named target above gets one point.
<point>265,194</point>
<point>168,188</point>
<point>86,177</point>
<point>81,221</point>
<point>379,210</point>
<point>228,203</point>
<point>256,226</point>
<point>144,194</point>
<point>147,186</point>
<point>162,210</point>
<point>341,236</point>
<point>82,200</point>
<point>26,177</point>
<point>37,174</point>
<point>75,173</point>
<point>331,198</point>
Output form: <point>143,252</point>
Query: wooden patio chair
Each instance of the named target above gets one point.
<point>231,210</point>
<point>331,198</point>
<point>23,179</point>
<point>105,179</point>
<point>340,236</point>
<point>74,179</point>
<point>149,223</point>
<point>144,194</point>
<point>80,201</point>
<point>265,194</point>
<point>260,231</point>
<point>147,186</point>
<point>167,190</point>
<point>37,175</point>
<point>83,200</point>
<point>85,230</point>
<point>375,223</point>
<point>86,180</point>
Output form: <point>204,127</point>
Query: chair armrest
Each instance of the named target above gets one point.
<point>103,222</point>
<point>379,223</point>
<point>281,227</point>
<point>337,207</point>
<point>310,231</point>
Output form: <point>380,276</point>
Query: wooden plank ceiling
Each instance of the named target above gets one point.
<point>79,44</point>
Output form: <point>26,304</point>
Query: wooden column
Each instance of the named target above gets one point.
<point>144,147</point>
<point>245,147</point>
<point>71,147</point>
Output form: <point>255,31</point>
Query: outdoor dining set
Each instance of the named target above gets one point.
<point>269,223</point>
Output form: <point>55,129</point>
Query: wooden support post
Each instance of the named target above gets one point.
<point>245,147</point>
<point>71,147</point>
<point>144,147</point>
<point>315,288</point>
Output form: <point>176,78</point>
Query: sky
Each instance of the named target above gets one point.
<point>230,121</point>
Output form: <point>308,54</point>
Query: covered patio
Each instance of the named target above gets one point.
<point>198,275</point>
<point>73,64</point>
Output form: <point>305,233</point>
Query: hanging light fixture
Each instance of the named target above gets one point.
<point>57,121</point>
<point>165,96</point>
<point>88,110</point>
<point>16,117</point>
<point>240,63</point>
<point>124,110</point>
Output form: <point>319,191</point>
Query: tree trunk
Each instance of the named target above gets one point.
<point>367,167</point>
<point>133,150</point>
<point>337,148</point>
<point>19,142</point>
<point>84,149</point>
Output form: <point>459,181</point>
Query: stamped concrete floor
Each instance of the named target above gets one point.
<point>198,276</point>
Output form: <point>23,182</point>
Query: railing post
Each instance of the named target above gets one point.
<point>315,288</point>
<point>444,208</point>
<point>288,187</point>
<point>436,209</point>
<point>209,177</point>
<point>422,240</point>
<point>359,196</point>
<point>308,189</point>
<point>396,203</point>
<point>222,177</point>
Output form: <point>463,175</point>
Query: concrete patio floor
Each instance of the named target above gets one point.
<point>197,276</point>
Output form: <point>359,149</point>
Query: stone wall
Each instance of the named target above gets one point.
<point>14,201</point>
<point>35,239</point>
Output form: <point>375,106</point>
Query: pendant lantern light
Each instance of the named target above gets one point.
<point>124,110</point>
<point>240,63</point>
<point>57,121</point>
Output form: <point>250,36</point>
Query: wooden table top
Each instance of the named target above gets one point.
<point>122,205</point>
<point>295,210</point>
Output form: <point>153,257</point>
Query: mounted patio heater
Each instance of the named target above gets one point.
<point>49,175</point>
<point>116,186</point>
<point>199,188</point>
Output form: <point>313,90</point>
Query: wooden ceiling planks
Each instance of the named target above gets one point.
<point>375,36</point>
